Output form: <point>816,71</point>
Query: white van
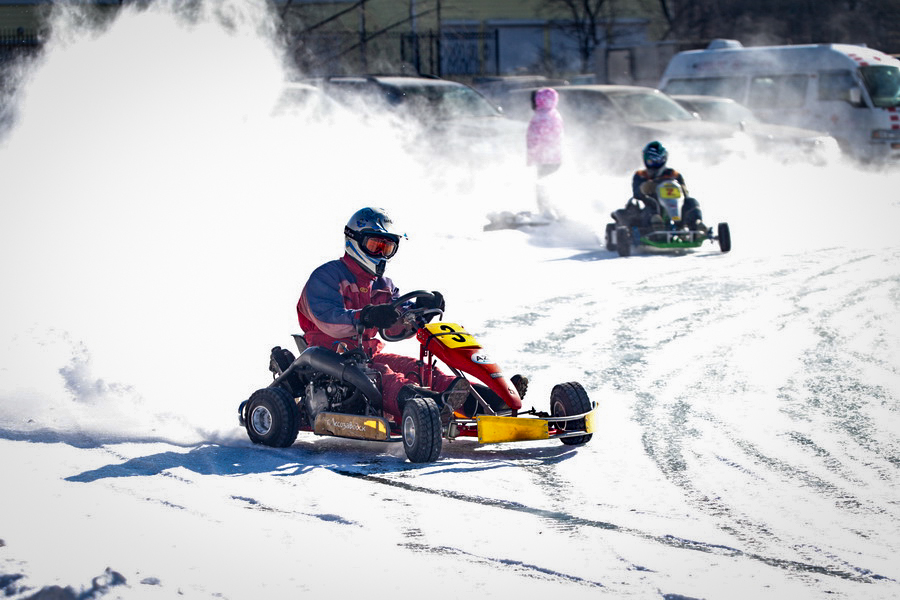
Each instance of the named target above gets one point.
<point>851,92</point>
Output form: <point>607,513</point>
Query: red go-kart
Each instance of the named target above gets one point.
<point>338,394</point>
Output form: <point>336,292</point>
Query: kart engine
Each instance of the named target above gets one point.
<point>319,390</point>
<point>325,393</point>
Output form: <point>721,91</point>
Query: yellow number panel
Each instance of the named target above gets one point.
<point>452,335</point>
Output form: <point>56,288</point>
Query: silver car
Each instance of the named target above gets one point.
<point>783,141</point>
<point>447,117</point>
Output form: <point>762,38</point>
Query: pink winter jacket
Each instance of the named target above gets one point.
<point>545,131</point>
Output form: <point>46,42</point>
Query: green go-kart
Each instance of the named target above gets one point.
<point>672,234</point>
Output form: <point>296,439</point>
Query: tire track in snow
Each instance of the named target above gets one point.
<point>527,569</point>
<point>670,425</point>
<point>666,424</point>
<point>856,574</point>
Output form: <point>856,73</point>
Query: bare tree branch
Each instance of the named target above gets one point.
<point>585,18</point>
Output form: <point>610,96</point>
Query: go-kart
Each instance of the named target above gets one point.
<point>672,234</point>
<point>338,394</point>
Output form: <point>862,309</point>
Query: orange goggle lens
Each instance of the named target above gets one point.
<point>379,246</point>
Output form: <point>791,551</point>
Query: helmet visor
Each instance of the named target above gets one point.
<point>655,162</point>
<point>378,246</point>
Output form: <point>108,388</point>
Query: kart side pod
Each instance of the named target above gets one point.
<point>358,427</point>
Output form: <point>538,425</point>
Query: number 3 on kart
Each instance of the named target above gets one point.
<point>459,339</point>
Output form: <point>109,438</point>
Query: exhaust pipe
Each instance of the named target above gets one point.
<point>330,363</point>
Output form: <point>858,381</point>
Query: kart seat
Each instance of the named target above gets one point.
<point>300,341</point>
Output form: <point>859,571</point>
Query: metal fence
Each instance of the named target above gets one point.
<point>452,53</point>
<point>17,42</point>
<point>446,54</point>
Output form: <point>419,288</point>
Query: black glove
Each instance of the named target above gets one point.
<point>381,316</point>
<point>428,302</point>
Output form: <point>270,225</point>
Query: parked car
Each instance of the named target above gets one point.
<point>850,91</point>
<point>769,138</point>
<point>446,115</point>
<point>496,87</point>
<point>613,123</point>
<point>299,96</point>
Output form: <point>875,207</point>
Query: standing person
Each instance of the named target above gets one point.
<point>544,142</point>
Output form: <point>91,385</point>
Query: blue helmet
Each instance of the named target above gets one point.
<point>369,240</point>
<point>655,156</point>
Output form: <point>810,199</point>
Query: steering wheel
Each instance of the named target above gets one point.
<point>411,318</point>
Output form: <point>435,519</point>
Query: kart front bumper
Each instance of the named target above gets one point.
<point>677,239</point>
<point>490,429</point>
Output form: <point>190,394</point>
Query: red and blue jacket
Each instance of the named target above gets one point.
<point>643,175</point>
<point>331,301</point>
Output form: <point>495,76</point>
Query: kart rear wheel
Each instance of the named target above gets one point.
<point>623,241</point>
<point>610,227</point>
<point>570,399</point>
<point>421,430</point>
<point>272,418</point>
<point>724,237</point>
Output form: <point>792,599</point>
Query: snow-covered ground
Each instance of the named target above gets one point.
<point>158,225</point>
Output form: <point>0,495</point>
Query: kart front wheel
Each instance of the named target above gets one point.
<point>271,417</point>
<point>623,241</point>
<point>421,430</point>
<point>724,237</point>
<point>570,399</point>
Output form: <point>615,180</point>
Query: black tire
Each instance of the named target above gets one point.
<point>570,399</point>
<point>272,418</point>
<point>610,227</point>
<point>421,430</point>
<point>623,241</point>
<point>724,237</point>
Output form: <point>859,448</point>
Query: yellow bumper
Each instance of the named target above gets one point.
<point>493,430</point>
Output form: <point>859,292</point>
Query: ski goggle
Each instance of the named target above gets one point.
<point>378,246</point>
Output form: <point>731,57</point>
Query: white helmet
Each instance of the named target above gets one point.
<point>369,240</point>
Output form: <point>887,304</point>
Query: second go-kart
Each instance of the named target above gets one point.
<point>328,393</point>
<point>672,234</point>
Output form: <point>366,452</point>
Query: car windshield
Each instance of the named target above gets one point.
<point>302,96</point>
<point>643,106</point>
<point>441,102</point>
<point>728,87</point>
<point>724,112</point>
<point>883,85</point>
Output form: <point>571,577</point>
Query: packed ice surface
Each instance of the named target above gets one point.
<point>159,221</point>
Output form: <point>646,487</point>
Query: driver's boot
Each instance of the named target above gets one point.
<point>520,382</point>
<point>454,397</point>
